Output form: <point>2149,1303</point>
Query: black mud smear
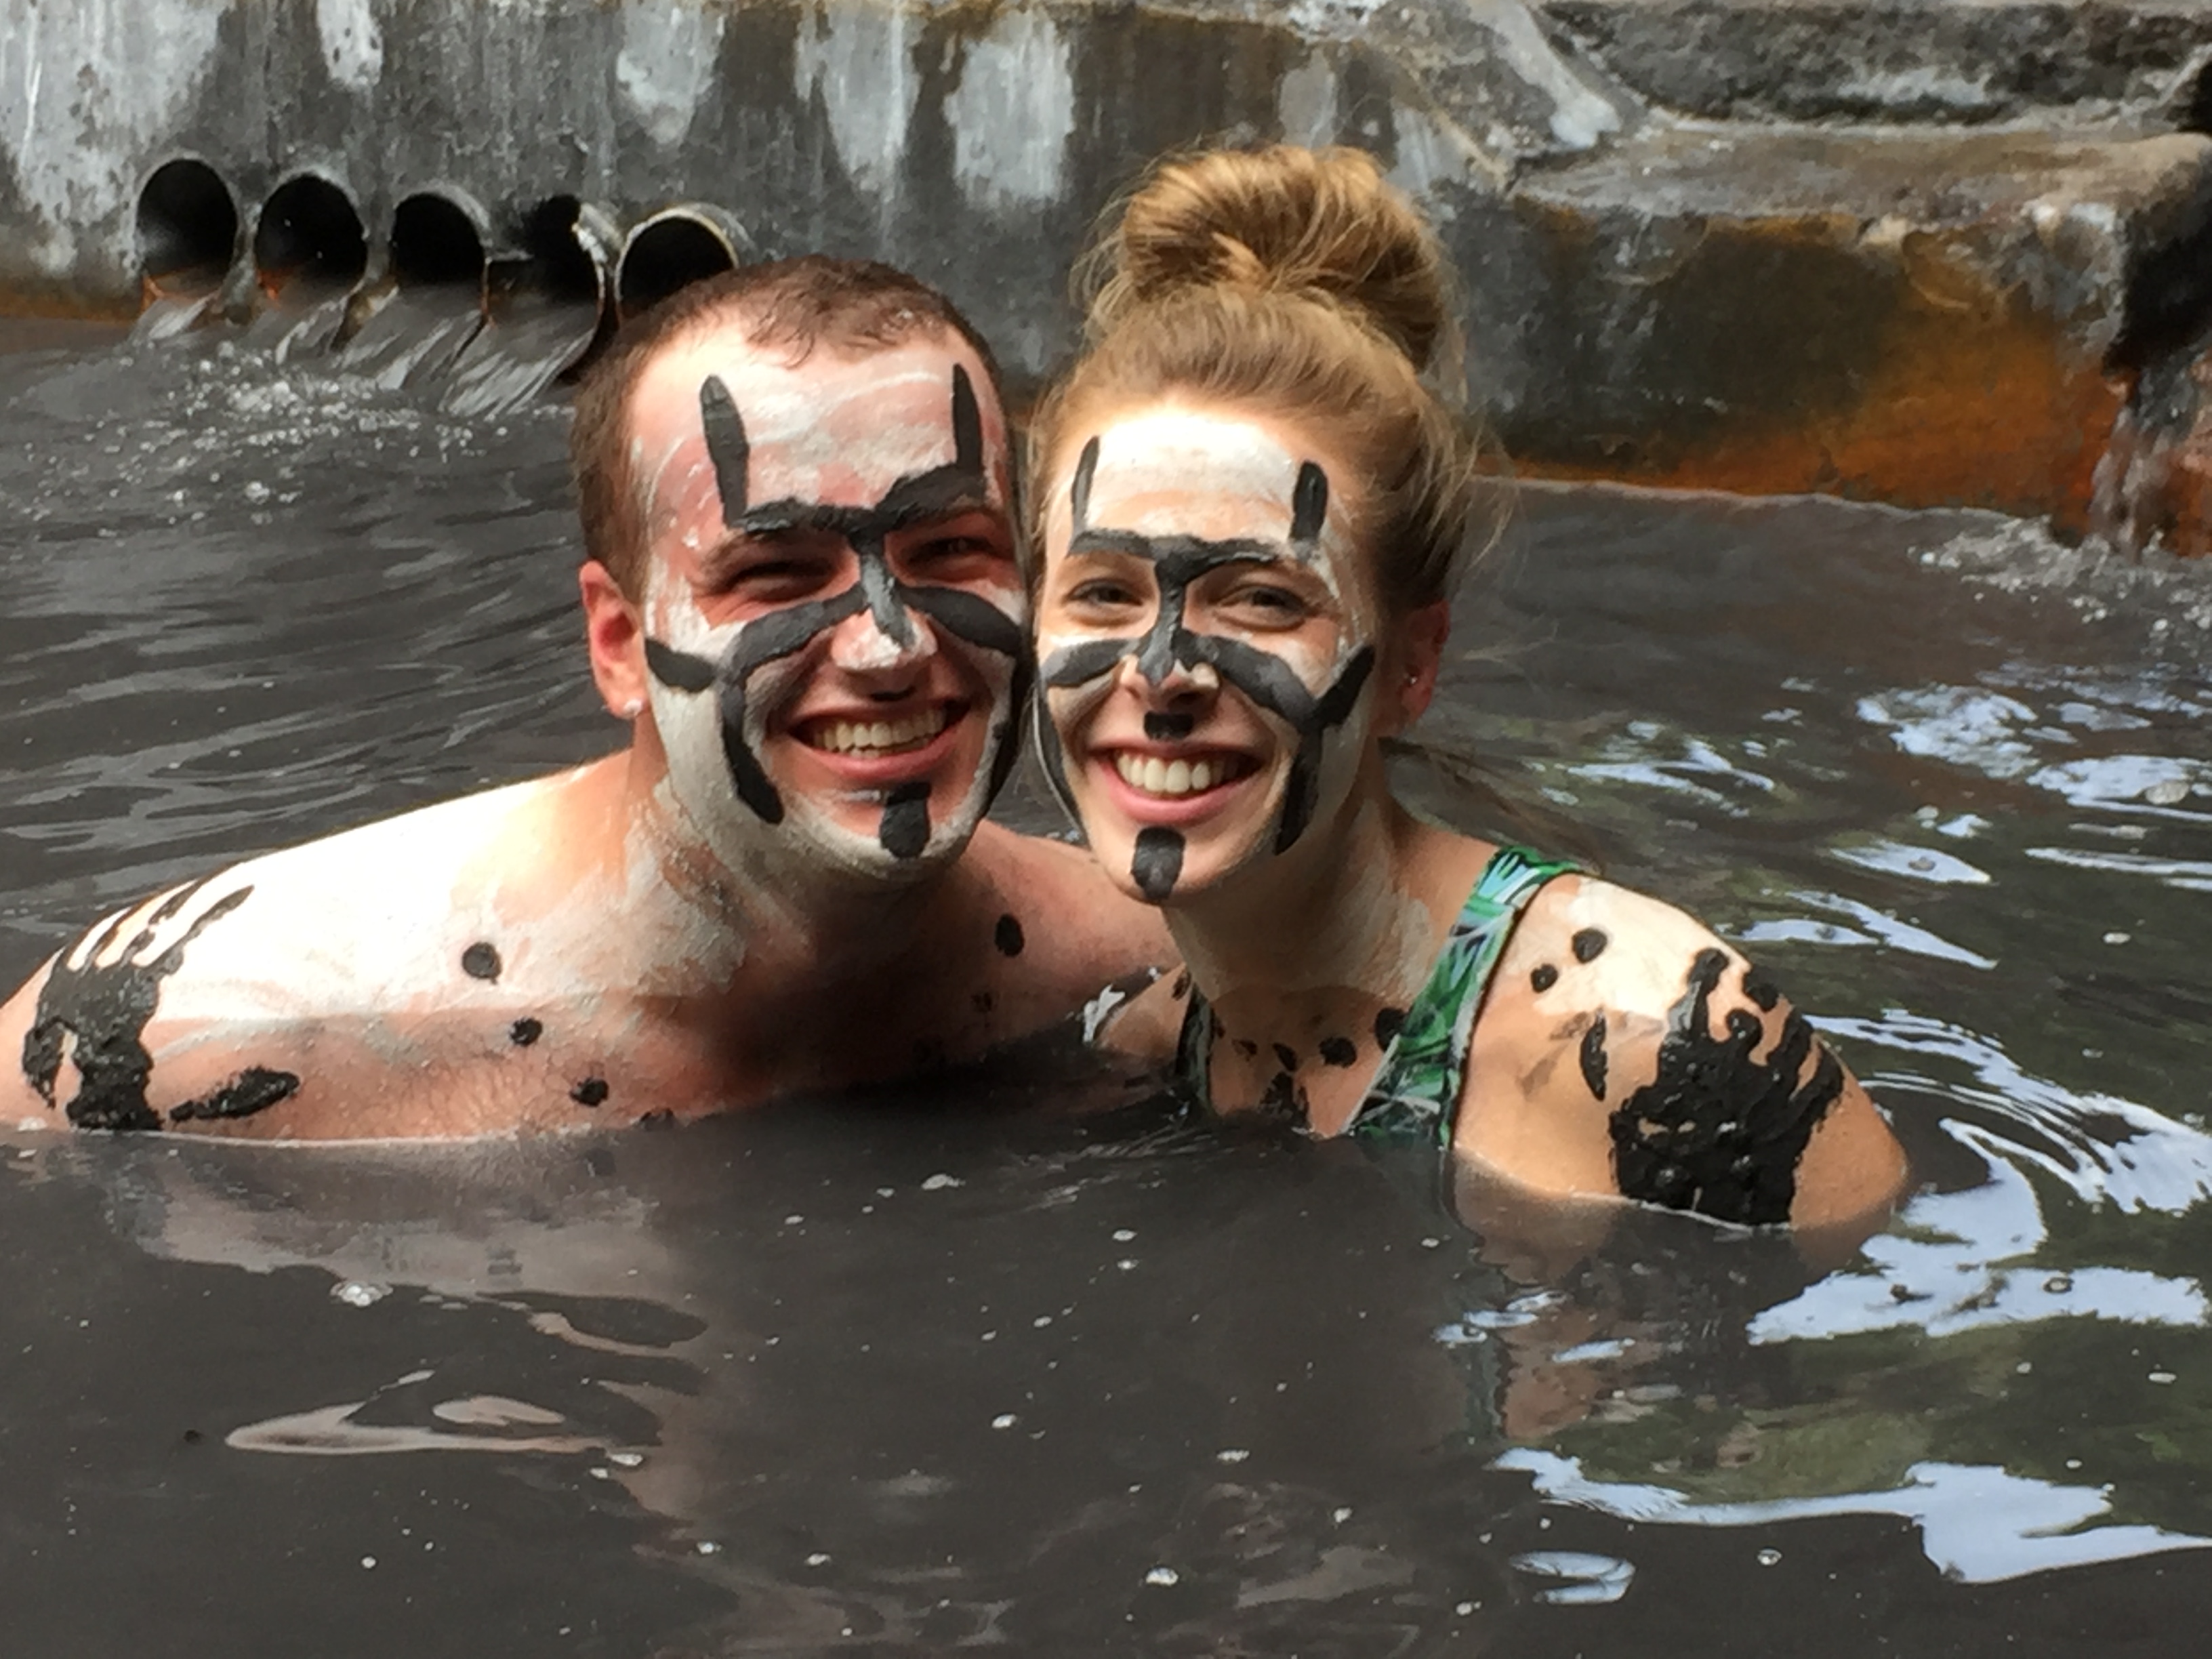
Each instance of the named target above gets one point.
<point>254,1090</point>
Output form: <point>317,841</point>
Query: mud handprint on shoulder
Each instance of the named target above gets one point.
<point>90,1024</point>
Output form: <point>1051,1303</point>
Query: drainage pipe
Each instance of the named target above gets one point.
<point>187,230</point>
<point>438,241</point>
<point>308,244</point>
<point>674,248</point>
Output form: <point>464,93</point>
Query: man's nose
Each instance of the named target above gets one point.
<point>882,637</point>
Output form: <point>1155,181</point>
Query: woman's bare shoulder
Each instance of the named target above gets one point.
<point>1626,1047</point>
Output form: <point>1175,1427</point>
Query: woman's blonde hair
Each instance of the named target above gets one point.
<point>1298,283</point>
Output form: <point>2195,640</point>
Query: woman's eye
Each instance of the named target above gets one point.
<point>1102,594</point>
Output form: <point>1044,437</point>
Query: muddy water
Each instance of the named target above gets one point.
<point>956,1366</point>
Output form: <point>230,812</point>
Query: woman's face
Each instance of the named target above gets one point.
<point>1207,638</point>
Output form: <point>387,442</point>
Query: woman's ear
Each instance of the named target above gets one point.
<point>1415,663</point>
<point>616,634</point>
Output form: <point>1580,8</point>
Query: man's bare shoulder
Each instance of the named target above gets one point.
<point>1624,1047</point>
<point>216,1000</point>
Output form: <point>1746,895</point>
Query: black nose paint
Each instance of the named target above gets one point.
<point>1716,1131</point>
<point>1264,678</point>
<point>905,829</point>
<point>1156,863</point>
<point>960,484</point>
<point>98,1011</point>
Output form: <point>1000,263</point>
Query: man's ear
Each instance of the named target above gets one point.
<point>1415,660</point>
<point>616,633</point>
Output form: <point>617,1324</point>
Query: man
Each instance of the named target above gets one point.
<point>801,587</point>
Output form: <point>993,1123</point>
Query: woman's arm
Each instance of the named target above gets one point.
<point>1624,1049</point>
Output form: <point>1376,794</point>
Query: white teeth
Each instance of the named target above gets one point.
<point>880,736</point>
<point>1178,777</point>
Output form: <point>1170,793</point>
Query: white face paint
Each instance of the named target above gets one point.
<point>1206,639</point>
<point>832,607</point>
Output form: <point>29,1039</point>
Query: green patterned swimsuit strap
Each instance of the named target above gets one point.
<point>1415,1094</point>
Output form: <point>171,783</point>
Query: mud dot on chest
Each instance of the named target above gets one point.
<point>480,961</point>
<point>591,1091</point>
<point>525,1031</point>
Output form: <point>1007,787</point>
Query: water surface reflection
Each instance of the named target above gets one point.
<point>1026,1364</point>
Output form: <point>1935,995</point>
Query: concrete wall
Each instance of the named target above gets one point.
<point>1681,264</point>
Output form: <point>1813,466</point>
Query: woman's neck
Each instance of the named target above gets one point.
<point>1309,965</point>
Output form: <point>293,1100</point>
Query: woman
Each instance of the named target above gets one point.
<point>1252,502</point>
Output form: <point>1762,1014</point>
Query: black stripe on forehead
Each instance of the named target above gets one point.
<point>966,424</point>
<point>1078,489</point>
<point>1309,502</point>
<point>727,447</point>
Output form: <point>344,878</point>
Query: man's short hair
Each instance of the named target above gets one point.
<point>791,305</point>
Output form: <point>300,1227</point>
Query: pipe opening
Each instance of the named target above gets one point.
<point>187,227</point>
<point>565,265</point>
<point>2196,111</point>
<point>309,233</point>
<point>673,249</point>
<point>435,243</point>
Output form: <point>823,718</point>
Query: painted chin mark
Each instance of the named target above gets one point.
<point>1543,977</point>
<point>1593,1055</point>
<point>1007,936</point>
<point>254,1090</point>
<point>1588,944</point>
<point>480,961</point>
<point>524,1032</point>
<point>1156,863</point>
<point>1339,1050</point>
<point>591,1091</point>
<point>905,828</point>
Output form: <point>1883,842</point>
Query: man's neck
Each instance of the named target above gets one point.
<point>774,923</point>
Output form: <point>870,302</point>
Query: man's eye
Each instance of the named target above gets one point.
<point>1266,603</point>
<point>770,580</point>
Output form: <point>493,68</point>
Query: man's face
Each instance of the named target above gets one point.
<point>1206,633</point>
<point>834,618</point>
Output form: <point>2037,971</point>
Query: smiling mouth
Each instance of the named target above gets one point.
<point>867,739</point>
<point>1171,780</point>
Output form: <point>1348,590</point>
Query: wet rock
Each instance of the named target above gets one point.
<point>1918,316</point>
<point>1897,60</point>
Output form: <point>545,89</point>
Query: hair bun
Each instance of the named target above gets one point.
<point>1319,224</point>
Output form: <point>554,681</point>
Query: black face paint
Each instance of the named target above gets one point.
<point>1588,944</point>
<point>1716,1131</point>
<point>1008,936</point>
<point>919,498</point>
<point>1263,678</point>
<point>591,1091</point>
<point>105,1009</point>
<point>1543,977</point>
<point>480,961</point>
<point>1245,1047</point>
<point>1156,863</point>
<point>1286,1057</point>
<point>1593,1055</point>
<point>1180,988</point>
<point>524,1032</point>
<point>1339,1050</point>
<point>905,828</point>
<point>256,1089</point>
<point>1283,1101</point>
<point>1388,1022</point>
<point>1169,728</point>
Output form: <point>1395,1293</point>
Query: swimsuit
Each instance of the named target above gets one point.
<point>1415,1093</point>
